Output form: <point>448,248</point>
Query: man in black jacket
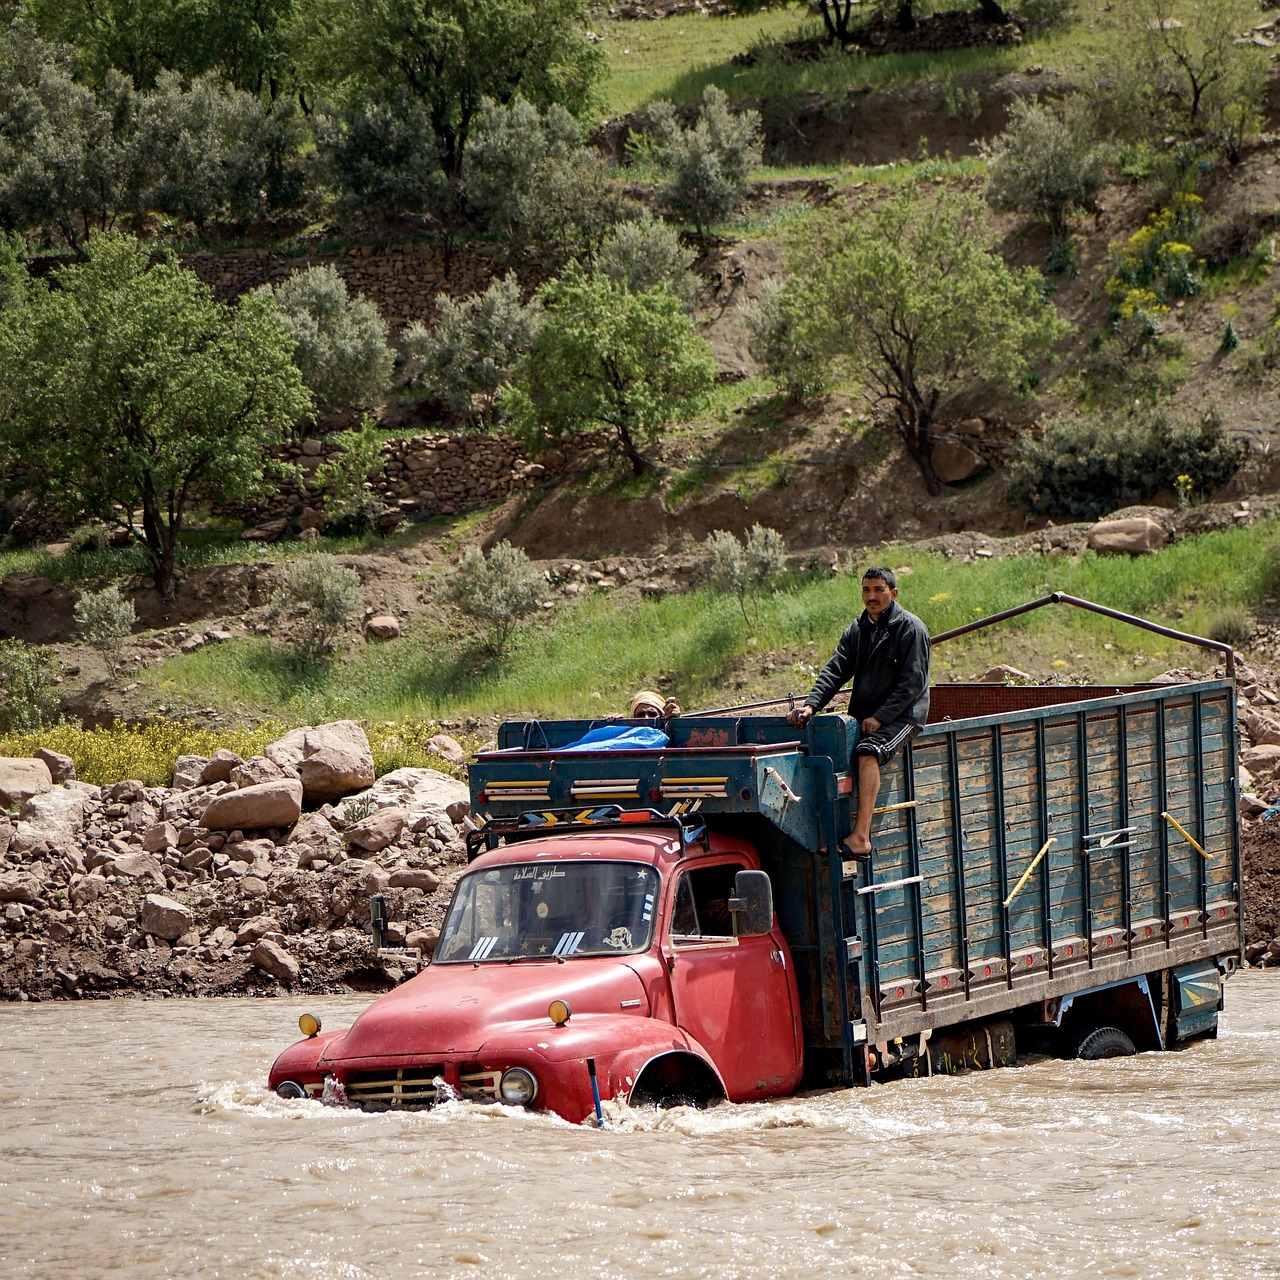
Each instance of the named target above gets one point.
<point>886,654</point>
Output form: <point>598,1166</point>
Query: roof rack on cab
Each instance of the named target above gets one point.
<point>691,827</point>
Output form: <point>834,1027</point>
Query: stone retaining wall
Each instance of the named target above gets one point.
<point>430,475</point>
<point>401,280</point>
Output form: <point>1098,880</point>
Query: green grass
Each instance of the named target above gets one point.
<point>207,548</point>
<point>676,58</point>
<point>585,658</point>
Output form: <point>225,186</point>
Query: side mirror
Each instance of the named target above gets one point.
<point>752,904</point>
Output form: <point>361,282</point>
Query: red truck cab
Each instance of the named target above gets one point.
<point>656,958</point>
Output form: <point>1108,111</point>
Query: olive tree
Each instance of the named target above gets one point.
<point>707,163</point>
<point>379,155</point>
<point>647,254</point>
<point>127,391</point>
<point>909,299</point>
<point>748,568</point>
<point>322,595</point>
<point>1048,164</point>
<point>498,590</point>
<point>473,348</point>
<point>339,341</point>
<point>527,175</point>
<point>103,619</point>
<point>67,158</point>
<point>608,360</point>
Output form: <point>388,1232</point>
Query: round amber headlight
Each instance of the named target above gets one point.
<point>559,1012</point>
<point>519,1087</point>
<point>309,1025</point>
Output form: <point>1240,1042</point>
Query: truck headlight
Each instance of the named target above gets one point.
<point>518,1086</point>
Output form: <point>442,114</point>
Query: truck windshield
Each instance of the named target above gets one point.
<point>550,910</point>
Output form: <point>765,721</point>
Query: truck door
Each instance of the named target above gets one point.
<point>736,996</point>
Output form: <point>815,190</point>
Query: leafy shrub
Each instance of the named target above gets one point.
<point>28,676</point>
<point>1157,257</point>
<point>340,342</point>
<point>1047,163</point>
<point>86,539</point>
<point>381,156</point>
<point>324,595</point>
<point>1085,466</point>
<point>351,503</point>
<point>474,347</point>
<point>103,619</point>
<point>1234,628</point>
<point>497,591</point>
<point>646,254</point>
<point>747,568</point>
<point>778,342</point>
<point>707,165</point>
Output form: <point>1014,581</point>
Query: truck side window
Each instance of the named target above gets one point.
<point>684,919</point>
<point>702,904</point>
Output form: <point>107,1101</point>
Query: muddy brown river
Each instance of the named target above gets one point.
<point>137,1141</point>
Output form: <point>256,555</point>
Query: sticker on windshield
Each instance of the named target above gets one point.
<point>568,944</point>
<point>619,939</point>
<point>648,908</point>
<point>483,948</point>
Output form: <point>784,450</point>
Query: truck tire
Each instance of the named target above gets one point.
<point>1104,1042</point>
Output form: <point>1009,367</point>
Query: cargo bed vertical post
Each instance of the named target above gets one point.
<point>1002,851</point>
<point>957,858</point>
<point>1046,880</point>
<point>1162,834</point>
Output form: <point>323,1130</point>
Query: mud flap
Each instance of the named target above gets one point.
<point>1197,997</point>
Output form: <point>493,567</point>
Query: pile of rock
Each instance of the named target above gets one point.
<point>244,875</point>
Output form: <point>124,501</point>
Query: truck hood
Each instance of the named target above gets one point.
<point>456,1008</point>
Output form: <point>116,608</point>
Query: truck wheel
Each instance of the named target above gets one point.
<point>1104,1042</point>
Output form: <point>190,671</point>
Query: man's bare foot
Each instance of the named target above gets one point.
<point>859,846</point>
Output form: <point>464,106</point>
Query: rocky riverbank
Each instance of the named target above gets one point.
<point>244,877</point>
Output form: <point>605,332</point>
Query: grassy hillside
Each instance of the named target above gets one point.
<point>586,657</point>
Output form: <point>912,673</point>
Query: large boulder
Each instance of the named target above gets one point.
<point>414,878</point>
<point>256,770</point>
<point>164,918</point>
<point>21,778</point>
<point>273,958</point>
<point>19,886</point>
<point>333,760</point>
<point>218,767</point>
<point>187,771</point>
<point>61,768</point>
<point>1138,536</point>
<point>954,462</point>
<point>56,816</point>
<point>380,829</point>
<point>136,866</point>
<point>1261,761</point>
<point>417,791</point>
<point>269,804</point>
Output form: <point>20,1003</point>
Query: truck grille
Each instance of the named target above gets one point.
<point>410,1088</point>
